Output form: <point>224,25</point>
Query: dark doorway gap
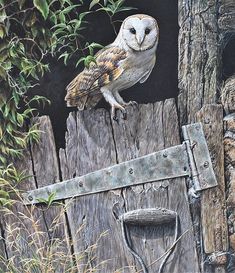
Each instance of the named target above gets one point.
<point>229,58</point>
<point>162,84</point>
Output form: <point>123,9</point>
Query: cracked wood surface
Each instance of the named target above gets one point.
<point>204,26</point>
<point>227,16</point>
<point>198,56</point>
<point>213,206</point>
<point>31,230</point>
<point>93,141</point>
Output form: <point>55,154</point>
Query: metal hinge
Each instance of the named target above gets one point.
<point>191,159</point>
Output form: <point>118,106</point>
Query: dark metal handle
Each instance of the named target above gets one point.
<point>144,217</point>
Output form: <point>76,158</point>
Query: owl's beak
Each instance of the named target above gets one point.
<point>140,39</point>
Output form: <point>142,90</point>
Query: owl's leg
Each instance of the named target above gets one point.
<point>122,102</point>
<point>113,102</point>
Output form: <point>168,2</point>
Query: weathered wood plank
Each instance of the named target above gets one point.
<point>156,128</point>
<point>89,147</point>
<point>228,92</point>
<point>140,135</point>
<point>46,171</point>
<point>229,150</point>
<point>37,232</point>
<point>99,144</point>
<point>213,207</point>
<point>178,199</point>
<point>198,57</point>
<point>24,227</point>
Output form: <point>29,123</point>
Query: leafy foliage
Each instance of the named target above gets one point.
<point>30,32</point>
<point>111,8</point>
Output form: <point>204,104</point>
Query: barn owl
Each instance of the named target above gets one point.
<point>127,61</point>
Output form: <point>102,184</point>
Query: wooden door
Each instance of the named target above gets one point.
<point>94,141</point>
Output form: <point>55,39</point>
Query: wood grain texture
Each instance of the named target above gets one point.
<point>229,150</point>
<point>37,232</point>
<point>89,147</point>
<point>100,143</point>
<point>46,172</point>
<point>228,95</point>
<point>22,224</point>
<point>227,16</point>
<point>213,207</point>
<point>198,56</point>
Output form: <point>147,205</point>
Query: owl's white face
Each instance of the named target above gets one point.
<point>140,32</point>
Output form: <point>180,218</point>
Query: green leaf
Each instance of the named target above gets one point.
<point>51,198</point>
<point>42,6</point>
<point>88,60</point>
<point>65,56</point>
<point>83,14</point>
<point>93,3</point>
<point>80,61</point>
<point>20,119</point>
<point>4,194</point>
<point>2,31</point>
<point>53,18</point>
<point>69,8</point>
<point>62,17</point>
<point>3,73</point>
<point>3,15</point>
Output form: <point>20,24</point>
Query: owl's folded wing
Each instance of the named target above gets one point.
<point>85,88</point>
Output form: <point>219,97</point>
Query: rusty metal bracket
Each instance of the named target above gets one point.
<point>188,159</point>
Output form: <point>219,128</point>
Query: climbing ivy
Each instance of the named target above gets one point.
<point>30,32</point>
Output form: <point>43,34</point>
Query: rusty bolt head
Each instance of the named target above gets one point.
<point>30,198</point>
<point>131,171</point>
<point>165,154</point>
<point>206,164</point>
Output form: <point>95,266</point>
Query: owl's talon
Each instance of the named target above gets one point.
<point>115,108</point>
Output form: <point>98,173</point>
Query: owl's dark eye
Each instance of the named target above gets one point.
<point>147,31</point>
<point>132,30</point>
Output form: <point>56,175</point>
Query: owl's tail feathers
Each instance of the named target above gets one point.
<point>82,102</point>
<point>75,101</point>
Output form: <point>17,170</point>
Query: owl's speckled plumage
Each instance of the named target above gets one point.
<point>120,65</point>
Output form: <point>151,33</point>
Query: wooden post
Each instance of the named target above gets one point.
<point>202,34</point>
<point>229,146</point>
<point>228,94</point>
<point>213,206</point>
<point>199,61</point>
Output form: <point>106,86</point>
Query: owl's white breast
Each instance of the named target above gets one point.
<point>135,67</point>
